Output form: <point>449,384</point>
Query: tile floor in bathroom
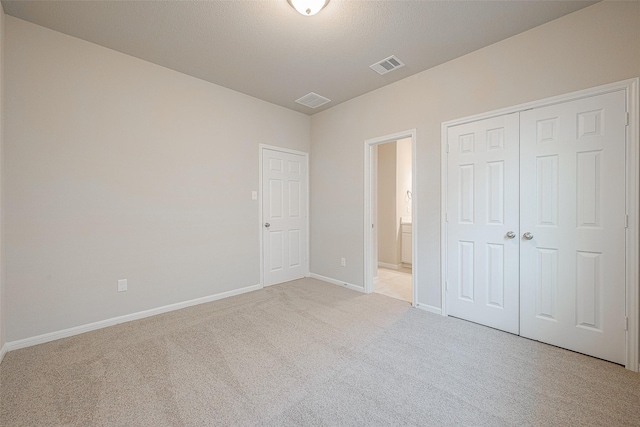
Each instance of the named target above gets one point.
<point>394,283</point>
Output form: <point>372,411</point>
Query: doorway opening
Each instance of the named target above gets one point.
<point>390,213</point>
<point>392,191</point>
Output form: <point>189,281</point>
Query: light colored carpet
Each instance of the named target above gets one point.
<point>310,353</point>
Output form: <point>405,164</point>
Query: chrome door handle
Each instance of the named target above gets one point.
<point>266,224</point>
<point>527,236</point>
<point>511,235</point>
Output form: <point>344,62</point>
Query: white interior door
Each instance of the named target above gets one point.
<point>482,212</point>
<point>572,201</point>
<point>284,214</point>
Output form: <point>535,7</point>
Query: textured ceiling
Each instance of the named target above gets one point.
<point>265,49</point>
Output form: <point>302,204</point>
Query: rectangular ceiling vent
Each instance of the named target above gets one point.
<point>312,100</point>
<point>386,65</point>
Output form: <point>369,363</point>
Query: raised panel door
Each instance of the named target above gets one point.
<point>572,201</point>
<point>482,208</point>
<point>284,214</point>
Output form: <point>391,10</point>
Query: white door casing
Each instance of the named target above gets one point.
<point>370,254</point>
<point>284,222</point>
<point>482,222</point>
<point>572,201</point>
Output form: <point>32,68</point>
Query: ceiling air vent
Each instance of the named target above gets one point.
<point>312,100</point>
<point>386,65</point>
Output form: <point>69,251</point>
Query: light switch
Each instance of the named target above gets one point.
<point>254,195</point>
<point>122,285</point>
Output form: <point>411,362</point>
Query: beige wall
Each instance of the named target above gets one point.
<point>119,168</point>
<point>403,179</point>
<point>2,270</point>
<point>393,181</point>
<point>596,45</point>
<point>387,228</point>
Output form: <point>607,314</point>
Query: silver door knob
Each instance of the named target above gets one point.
<point>511,235</point>
<point>266,224</point>
<point>527,236</point>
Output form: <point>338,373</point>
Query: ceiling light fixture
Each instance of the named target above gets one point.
<point>308,7</point>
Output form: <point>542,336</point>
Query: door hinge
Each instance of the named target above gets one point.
<point>446,286</point>
<point>627,119</point>
<point>447,147</point>
<point>626,221</point>
<point>446,217</point>
<point>626,323</point>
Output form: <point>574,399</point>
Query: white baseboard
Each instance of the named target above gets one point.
<point>429,308</point>
<point>52,336</point>
<point>389,266</point>
<point>336,282</point>
<point>3,351</point>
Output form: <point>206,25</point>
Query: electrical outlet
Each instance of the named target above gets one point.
<point>343,262</point>
<point>254,195</point>
<point>122,285</point>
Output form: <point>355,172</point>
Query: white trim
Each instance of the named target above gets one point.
<point>633,236</point>
<point>631,87</point>
<point>429,308</point>
<point>3,351</point>
<point>52,336</point>
<point>389,266</point>
<point>261,148</point>
<point>444,133</point>
<point>559,99</point>
<point>283,150</point>
<point>369,262</point>
<point>337,282</point>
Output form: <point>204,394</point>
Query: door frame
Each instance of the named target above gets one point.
<point>261,148</point>
<point>632,285</point>
<point>368,211</point>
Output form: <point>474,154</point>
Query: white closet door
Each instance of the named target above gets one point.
<point>482,208</point>
<point>284,212</point>
<point>572,201</point>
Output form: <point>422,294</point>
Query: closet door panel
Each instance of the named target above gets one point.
<point>482,208</point>
<point>572,202</point>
